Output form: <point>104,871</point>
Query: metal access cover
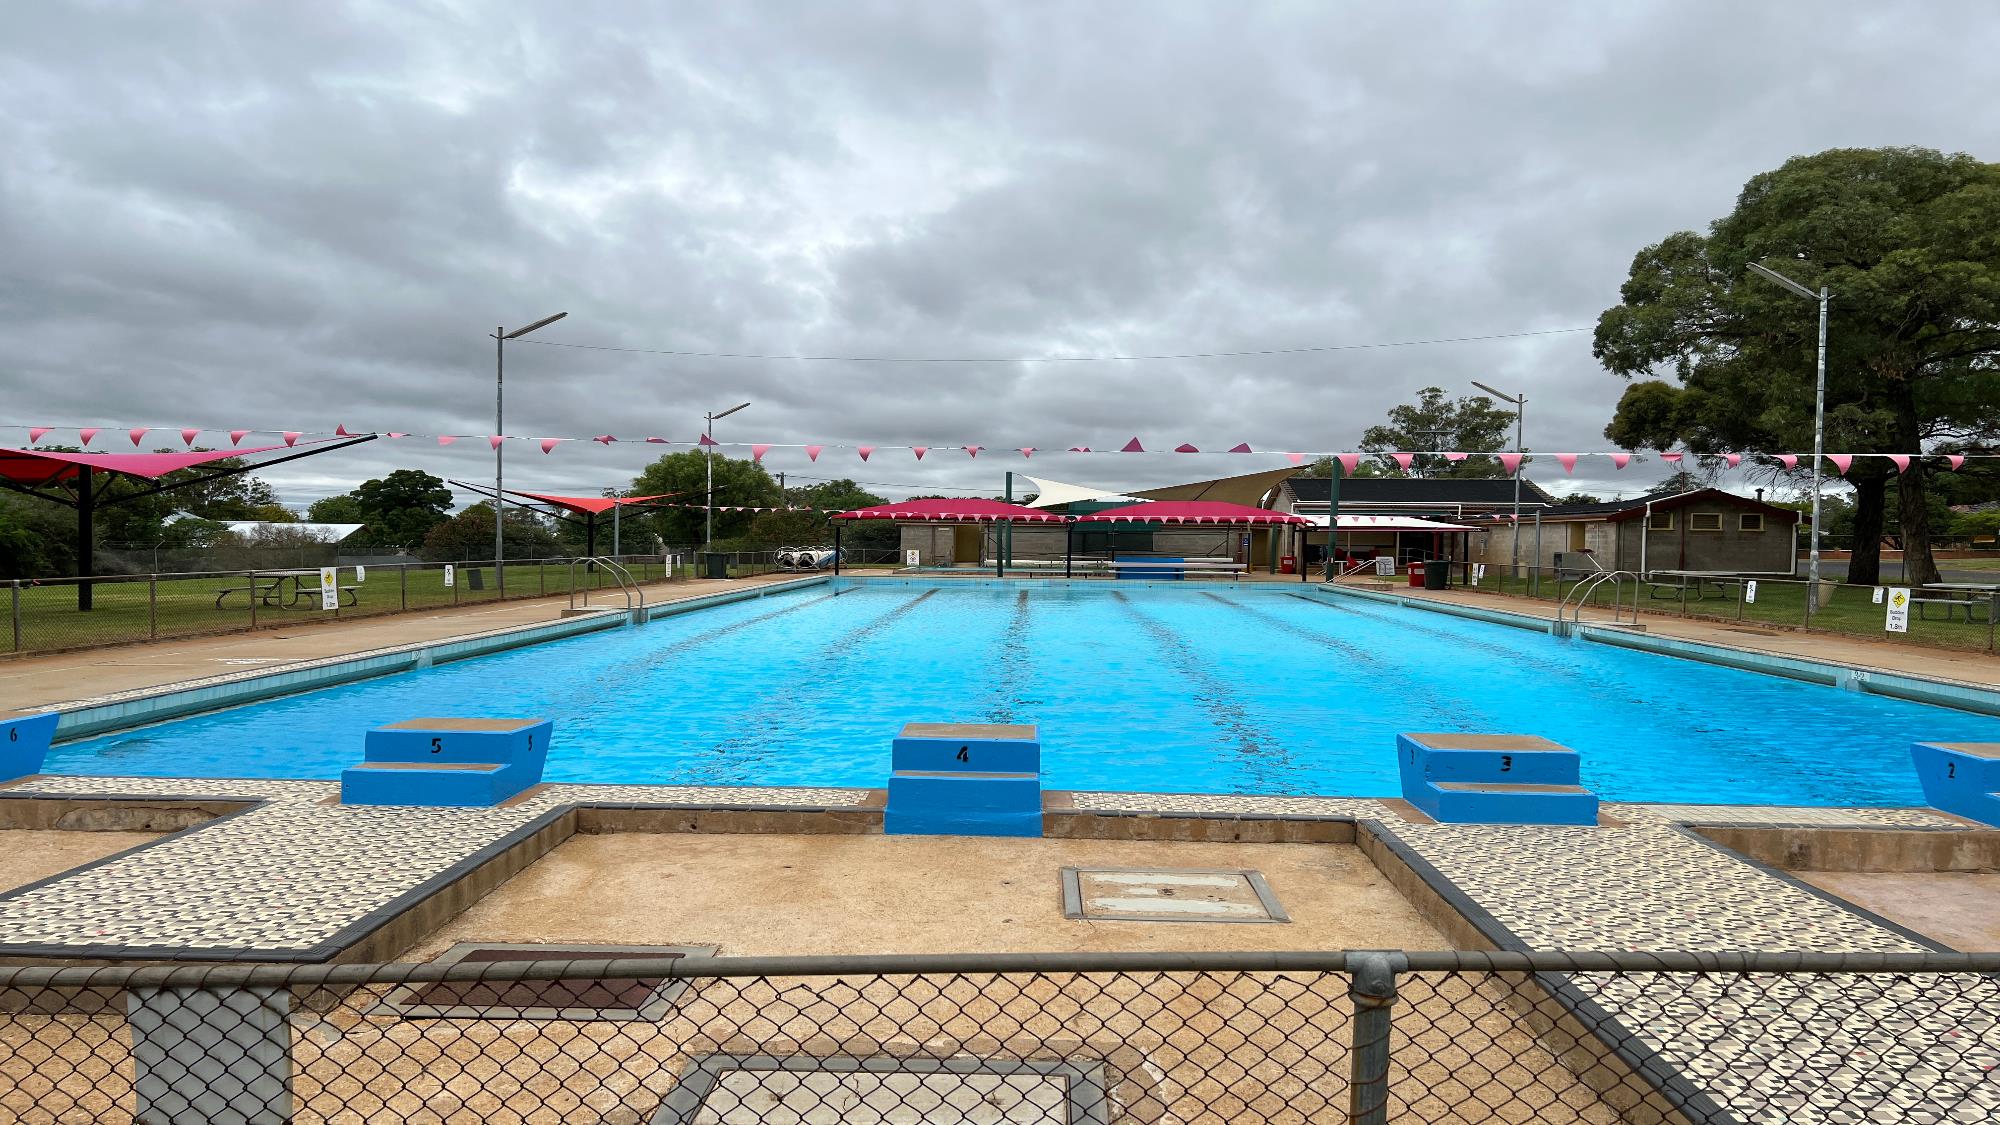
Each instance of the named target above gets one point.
<point>580,999</point>
<point>842,1090</point>
<point>1137,894</point>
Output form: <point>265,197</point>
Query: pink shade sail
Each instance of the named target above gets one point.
<point>137,433</point>
<point>757,453</point>
<point>1841,461</point>
<point>87,434</point>
<point>864,450</point>
<point>1901,461</point>
<point>967,510</point>
<point>1789,460</point>
<point>587,505</point>
<point>1620,460</point>
<point>1192,511</point>
<point>1132,446</point>
<point>1185,447</point>
<point>446,439</point>
<point>920,450</point>
<point>1404,460</point>
<point>25,466</point>
<point>1241,447</point>
<point>35,434</point>
<point>1348,462</point>
<point>813,452</point>
<point>1567,461</point>
<point>1510,462</point>
<point>188,436</point>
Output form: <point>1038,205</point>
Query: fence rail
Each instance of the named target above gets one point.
<point>1218,1037</point>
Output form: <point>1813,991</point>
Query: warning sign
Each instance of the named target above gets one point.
<point>1899,610</point>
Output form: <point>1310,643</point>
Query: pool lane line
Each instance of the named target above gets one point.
<point>1512,655</point>
<point>676,648</point>
<point>1226,710</point>
<point>1009,682</point>
<point>786,707</point>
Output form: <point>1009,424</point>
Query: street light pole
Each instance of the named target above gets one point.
<point>708,464</point>
<point>500,338</point>
<point>1520,403</point>
<point>1819,420</point>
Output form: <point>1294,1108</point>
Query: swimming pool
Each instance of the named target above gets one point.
<point>1163,688</point>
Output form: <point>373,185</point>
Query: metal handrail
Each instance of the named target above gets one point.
<point>626,584</point>
<point>1588,588</point>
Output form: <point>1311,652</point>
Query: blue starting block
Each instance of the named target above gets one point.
<point>25,745</point>
<point>965,779</point>
<point>1961,778</point>
<point>1493,779</point>
<point>454,762</point>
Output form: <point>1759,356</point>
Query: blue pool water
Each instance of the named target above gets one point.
<point>1153,688</point>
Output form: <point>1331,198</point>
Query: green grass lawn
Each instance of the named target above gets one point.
<point>124,611</point>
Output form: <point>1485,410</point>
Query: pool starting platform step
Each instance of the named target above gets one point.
<point>1961,778</point>
<point>454,762</point>
<point>1493,779</point>
<point>965,779</point>
<point>25,745</point>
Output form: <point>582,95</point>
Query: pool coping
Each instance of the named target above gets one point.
<point>1912,687</point>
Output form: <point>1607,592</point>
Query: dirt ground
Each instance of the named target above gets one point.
<point>28,855</point>
<point>1959,908</point>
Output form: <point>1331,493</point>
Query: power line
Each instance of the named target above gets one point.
<point>1056,358</point>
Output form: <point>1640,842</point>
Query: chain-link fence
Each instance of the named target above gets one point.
<point>1096,1038</point>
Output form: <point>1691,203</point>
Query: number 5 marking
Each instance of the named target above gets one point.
<point>437,745</point>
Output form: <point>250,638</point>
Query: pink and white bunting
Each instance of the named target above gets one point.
<point>1841,461</point>
<point>340,430</point>
<point>920,450</point>
<point>757,453</point>
<point>1296,458</point>
<point>864,450</point>
<point>1027,452</point>
<point>1788,460</point>
<point>1672,458</point>
<point>1733,459</point>
<point>604,439</point>
<point>137,433</point>
<point>1454,456</point>
<point>972,451</point>
<point>1567,461</point>
<point>1348,462</point>
<point>1404,460</point>
<point>188,436</point>
<point>1241,447</point>
<point>1186,447</point>
<point>1901,461</point>
<point>1956,459</point>
<point>813,452</point>
<point>447,439</point>
<point>1620,460</point>
<point>493,441</point>
<point>35,434</point>
<point>87,434</point>
<point>1511,462</point>
<point>706,440</point>
<point>292,436</point>
<point>1132,446</point>
<point>549,443</point>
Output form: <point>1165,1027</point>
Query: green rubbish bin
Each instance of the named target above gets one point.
<point>1437,574</point>
<point>715,565</point>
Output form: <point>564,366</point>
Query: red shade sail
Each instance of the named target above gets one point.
<point>1191,511</point>
<point>36,466</point>
<point>951,511</point>
<point>588,505</point>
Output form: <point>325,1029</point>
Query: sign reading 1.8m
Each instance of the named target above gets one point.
<point>1899,610</point>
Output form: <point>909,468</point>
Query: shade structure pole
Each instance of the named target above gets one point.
<point>499,481</point>
<point>1332,516</point>
<point>836,546</point>
<point>1069,547</point>
<point>999,553</point>
<point>590,534</point>
<point>86,535</point>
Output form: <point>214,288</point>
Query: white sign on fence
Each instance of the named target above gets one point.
<point>1899,610</point>
<point>1478,572</point>
<point>1750,592</point>
<point>1385,566</point>
<point>1878,595</point>
<point>329,587</point>
<point>448,576</point>
<point>360,575</point>
<point>913,557</point>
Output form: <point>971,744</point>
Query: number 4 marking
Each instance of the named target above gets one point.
<point>963,756</point>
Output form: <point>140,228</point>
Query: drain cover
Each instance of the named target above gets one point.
<point>882,1089</point>
<point>1136,894</point>
<point>606,998</point>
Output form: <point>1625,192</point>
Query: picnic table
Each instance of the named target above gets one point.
<point>273,591</point>
<point>1680,582</point>
<point>1956,596</point>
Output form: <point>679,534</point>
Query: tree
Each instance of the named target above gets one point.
<point>1368,467</point>
<point>343,508</point>
<point>814,527</point>
<point>399,510</point>
<point>468,536</point>
<point>37,539</point>
<point>1468,424</point>
<point>1903,239</point>
<point>683,476</point>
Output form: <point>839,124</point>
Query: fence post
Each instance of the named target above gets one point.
<point>1371,985</point>
<point>253,599</point>
<point>1992,618</point>
<point>403,584</point>
<point>17,614</point>
<point>152,607</point>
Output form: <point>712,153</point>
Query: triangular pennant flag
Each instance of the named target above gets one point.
<point>1404,460</point>
<point>1789,460</point>
<point>549,443</point>
<point>1671,458</point>
<point>1510,462</point>
<point>864,450</point>
<point>812,452</point>
<point>136,433</point>
<point>757,453</point>
<point>1567,461</point>
<point>604,439</point>
<point>920,450</point>
<point>1133,446</point>
<point>1732,459</point>
<point>188,436</point>
<point>341,430</point>
<point>292,437</point>
<point>1079,449</point>
<point>1620,460</point>
<point>1027,452</point>
<point>972,450</point>
<point>1348,462</point>
<point>1841,461</point>
<point>447,439</point>
<point>493,441</point>
<point>1901,461</point>
<point>1956,460</point>
<point>1241,447</point>
<point>395,434</point>
<point>86,435</point>
<point>1454,456</point>
<point>658,441</point>
<point>1184,447</point>
<point>706,440</point>
<point>35,434</point>
<point>1296,458</point>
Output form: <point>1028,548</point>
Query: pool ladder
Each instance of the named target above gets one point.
<point>635,598</point>
<point>1569,617</point>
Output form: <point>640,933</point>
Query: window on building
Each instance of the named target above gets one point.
<point>1660,521</point>
<point>1704,521</point>
<point>1750,521</point>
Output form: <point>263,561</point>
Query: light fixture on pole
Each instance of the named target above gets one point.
<point>1520,405</point>
<point>1819,418</point>
<point>500,338</point>
<point>708,463</point>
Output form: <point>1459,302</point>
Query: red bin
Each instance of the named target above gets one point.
<point>1288,564</point>
<point>1416,576</point>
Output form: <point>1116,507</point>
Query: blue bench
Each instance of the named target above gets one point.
<point>464,763</point>
<point>1458,778</point>
<point>25,745</point>
<point>965,779</point>
<point>1961,778</point>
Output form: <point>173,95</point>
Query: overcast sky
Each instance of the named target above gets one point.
<point>288,216</point>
